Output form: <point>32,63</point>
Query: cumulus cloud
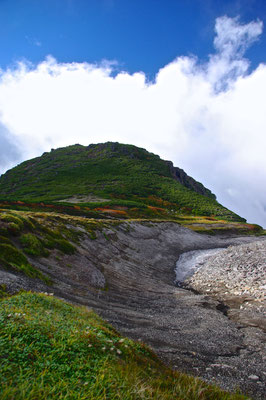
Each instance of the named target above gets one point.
<point>209,119</point>
<point>231,41</point>
<point>9,154</point>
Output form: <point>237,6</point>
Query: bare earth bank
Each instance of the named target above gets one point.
<point>129,280</point>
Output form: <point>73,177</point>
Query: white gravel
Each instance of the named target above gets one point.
<point>237,270</point>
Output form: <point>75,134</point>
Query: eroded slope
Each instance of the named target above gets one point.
<point>125,271</point>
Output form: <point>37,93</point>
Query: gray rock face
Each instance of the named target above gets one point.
<point>136,261</point>
<point>180,175</point>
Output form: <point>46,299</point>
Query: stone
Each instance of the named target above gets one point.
<point>253,377</point>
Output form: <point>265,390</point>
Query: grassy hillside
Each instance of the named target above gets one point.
<point>108,176</point>
<point>53,350</point>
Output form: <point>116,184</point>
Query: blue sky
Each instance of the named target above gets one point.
<point>140,35</point>
<point>185,79</point>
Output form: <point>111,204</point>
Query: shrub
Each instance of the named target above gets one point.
<point>3,231</point>
<point>11,257</point>
<point>3,291</point>
<point>4,239</point>
<point>32,245</point>
<point>13,229</point>
<point>64,246</point>
<point>12,218</point>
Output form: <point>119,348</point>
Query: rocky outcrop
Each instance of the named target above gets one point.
<point>179,175</point>
<point>127,275</point>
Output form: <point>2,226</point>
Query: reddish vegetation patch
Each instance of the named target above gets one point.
<point>76,210</point>
<point>47,205</point>
<point>161,202</point>
<point>111,211</point>
<point>156,209</point>
<point>252,227</point>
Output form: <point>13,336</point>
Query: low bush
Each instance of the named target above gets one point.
<point>64,246</point>
<point>32,245</point>
<point>12,258</point>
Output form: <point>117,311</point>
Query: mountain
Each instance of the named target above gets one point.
<point>111,175</point>
<point>101,227</point>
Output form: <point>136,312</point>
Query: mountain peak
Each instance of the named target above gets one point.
<point>109,171</point>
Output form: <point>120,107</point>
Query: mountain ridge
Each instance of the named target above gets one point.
<point>115,172</point>
<point>132,152</point>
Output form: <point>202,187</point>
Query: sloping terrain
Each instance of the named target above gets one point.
<point>53,350</point>
<point>124,270</point>
<point>103,226</point>
<point>137,183</point>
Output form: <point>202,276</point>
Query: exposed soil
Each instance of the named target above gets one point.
<point>127,276</point>
<point>83,199</point>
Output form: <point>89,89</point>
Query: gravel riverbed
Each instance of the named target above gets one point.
<point>236,276</point>
<point>238,270</point>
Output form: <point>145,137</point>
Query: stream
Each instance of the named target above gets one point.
<point>190,261</point>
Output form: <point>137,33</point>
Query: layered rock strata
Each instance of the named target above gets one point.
<point>127,275</point>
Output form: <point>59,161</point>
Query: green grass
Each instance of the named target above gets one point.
<point>12,258</point>
<point>32,245</point>
<point>126,175</point>
<point>3,291</point>
<point>41,233</point>
<point>53,350</point>
<point>36,235</point>
<point>64,246</point>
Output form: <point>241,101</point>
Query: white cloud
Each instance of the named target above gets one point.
<point>231,41</point>
<point>9,152</point>
<point>209,119</point>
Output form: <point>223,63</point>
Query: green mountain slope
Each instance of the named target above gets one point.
<point>114,176</point>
